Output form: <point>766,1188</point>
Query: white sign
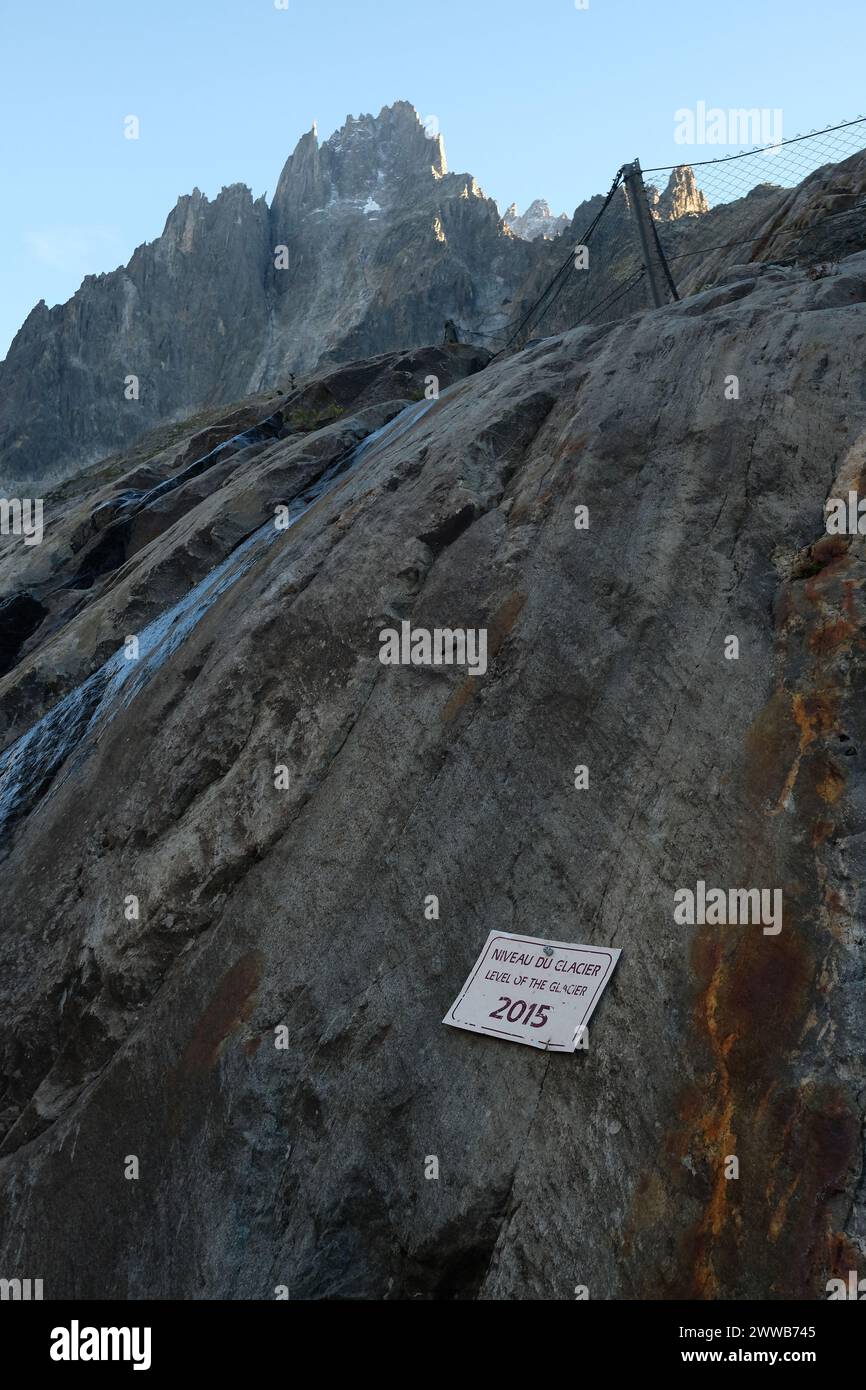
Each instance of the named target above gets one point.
<point>531,991</point>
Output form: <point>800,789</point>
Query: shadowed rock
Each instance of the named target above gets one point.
<point>176,903</point>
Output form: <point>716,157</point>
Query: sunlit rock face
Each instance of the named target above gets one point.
<point>219,853</point>
<point>680,198</point>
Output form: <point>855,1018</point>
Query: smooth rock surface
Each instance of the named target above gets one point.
<point>261,908</point>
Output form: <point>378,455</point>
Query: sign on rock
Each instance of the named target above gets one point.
<point>531,991</point>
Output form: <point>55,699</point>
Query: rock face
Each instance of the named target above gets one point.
<point>226,839</point>
<point>384,247</point>
<point>537,221</point>
<point>369,245</point>
<point>681,197</point>
<point>186,317</point>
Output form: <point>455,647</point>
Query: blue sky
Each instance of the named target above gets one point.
<point>537,98</point>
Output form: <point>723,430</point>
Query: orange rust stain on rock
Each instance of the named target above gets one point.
<point>829,1146</point>
<point>842,1255</point>
<point>231,1005</point>
<point>817,586</point>
<point>849,604</point>
<point>715,1122</point>
<point>757,995</point>
<point>757,998</point>
<point>498,628</point>
<point>777,1220</point>
<point>813,715</point>
<point>833,636</point>
<point>750,1011</point>
<point>764,1102</point>
<point>837,912</point>
<point>788,1112</point>
<point>831,785</point>
<point>821,831</point>
<point>464,693</point>
<point>530,508</point>
<point>520,512</point>
<point>766,999</point>
<point>569,447</point>
<point>818,1129</point>
<point>829,548</point>
<point>771,744</point>
<point>503,621</point>
<point>680,1137</point>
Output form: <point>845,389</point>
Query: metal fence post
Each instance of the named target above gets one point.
<point>662,287</point>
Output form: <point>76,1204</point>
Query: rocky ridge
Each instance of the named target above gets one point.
<point>369,245</point>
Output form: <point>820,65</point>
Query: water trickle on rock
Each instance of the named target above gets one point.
<point>31,764</point>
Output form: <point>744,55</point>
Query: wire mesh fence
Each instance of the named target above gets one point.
<point>785,200</point>
<point>780,165</point>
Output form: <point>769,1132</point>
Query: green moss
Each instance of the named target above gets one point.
<point>305,420</point>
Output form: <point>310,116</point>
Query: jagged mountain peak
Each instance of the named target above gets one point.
<point>369,242</point>
<point>368,246</point>
<point>365,154</point>
<point>681,197</point>
<point>196,217</point>
<point>537,221</point>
